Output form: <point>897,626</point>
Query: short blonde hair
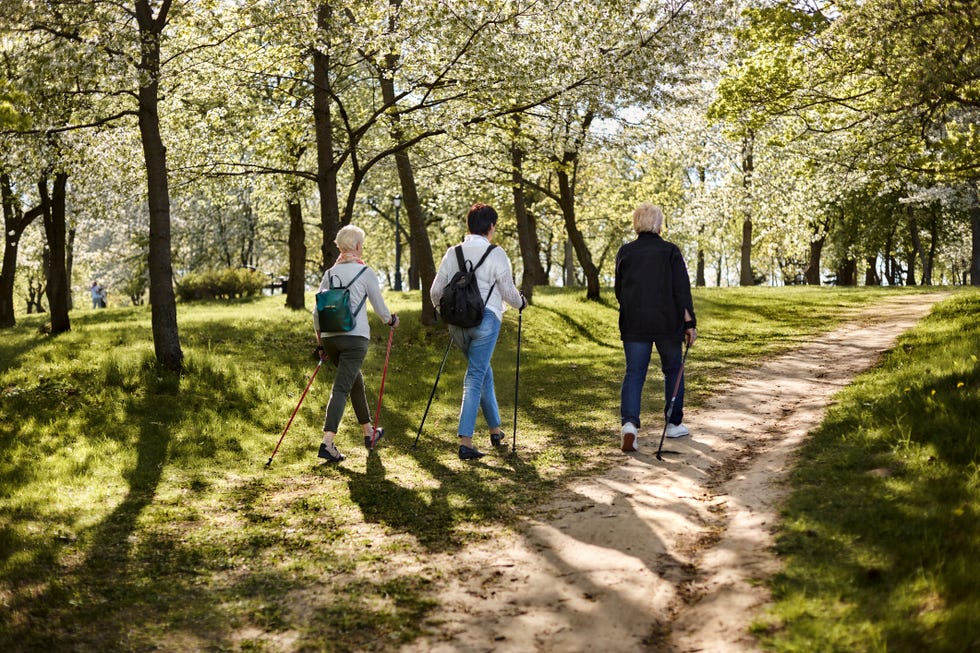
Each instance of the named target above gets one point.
<point>648,217</point>
<point>349,237</point>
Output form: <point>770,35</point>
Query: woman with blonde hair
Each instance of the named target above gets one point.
<point>347,349</point>
<point>655,309</point>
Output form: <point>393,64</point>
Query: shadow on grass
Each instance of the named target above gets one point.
<point>882,532</point>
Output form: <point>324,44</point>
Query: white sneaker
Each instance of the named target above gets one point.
<point>629,437</point>
<point>677,431</point>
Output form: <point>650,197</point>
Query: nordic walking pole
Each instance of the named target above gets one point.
<point>434,386</point>
<point>296,410</point>
<point>670,406</point>
<point>517,374</point>
<point>381,392</point>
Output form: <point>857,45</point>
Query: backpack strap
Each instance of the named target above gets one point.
<point>460,260</point>
<point>482,259</point>
<point>364,298</point>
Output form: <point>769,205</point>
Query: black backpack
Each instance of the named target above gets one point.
<point>461,303</point>
<point>333,306</point>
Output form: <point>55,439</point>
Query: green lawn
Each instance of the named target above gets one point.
<point>136,510</point>
<point>881,537</point>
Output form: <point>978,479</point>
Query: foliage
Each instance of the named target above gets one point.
<point>137,512</point>
<point>225,283</point>
<point>881,535</point>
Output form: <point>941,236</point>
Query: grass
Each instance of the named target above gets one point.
<point>881,537</point>
<point>136,512</point>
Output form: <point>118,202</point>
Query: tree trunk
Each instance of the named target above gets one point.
<point>166,341</point>
<point>525,226</point>
<point>916,247</point>
<point>975,231</point>
<point>419,234</point>
<point>871,277</point>
<point>910,275</point>
<point>326,175</point>
<point>15,222</point>
<point>575,237</point>
<point>421,247</point>
<point>70,264</point>
<point>55,228</point>
<point>889,259</point>
<point>931,256</point>
<point>745,277</point>
<point>847,273</point>
<point>296,282</point>
<point>812,273</point>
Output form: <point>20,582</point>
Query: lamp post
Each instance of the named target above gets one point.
<point>397,201</point>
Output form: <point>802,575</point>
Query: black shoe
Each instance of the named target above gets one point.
<point>328,456</point>
<point>497,439</point>
<point>469,453</point>
<point>378,434</point>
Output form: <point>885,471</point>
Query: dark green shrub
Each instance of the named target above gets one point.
<point>227,283</point>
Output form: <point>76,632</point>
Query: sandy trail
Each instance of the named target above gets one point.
<point>662,556</point>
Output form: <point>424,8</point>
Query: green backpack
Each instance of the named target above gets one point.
<point>333,306</point>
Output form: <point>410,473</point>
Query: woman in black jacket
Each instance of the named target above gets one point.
<point>655,309</point>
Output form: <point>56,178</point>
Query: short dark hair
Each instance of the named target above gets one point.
<point>480,218</point>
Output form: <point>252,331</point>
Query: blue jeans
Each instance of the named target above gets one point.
<point>478,343</point>
<point>637,361</point>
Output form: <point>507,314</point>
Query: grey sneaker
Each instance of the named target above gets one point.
<point>330,456</point>
<point>469,453</point>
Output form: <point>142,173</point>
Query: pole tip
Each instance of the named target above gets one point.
<point>269,463</point>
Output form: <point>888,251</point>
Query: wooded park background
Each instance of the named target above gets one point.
<point>789,142</point>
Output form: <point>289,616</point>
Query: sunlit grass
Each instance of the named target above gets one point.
<point>137,511</point>
<point>882,534</point>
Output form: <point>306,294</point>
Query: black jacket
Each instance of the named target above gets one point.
<point>653,289</point>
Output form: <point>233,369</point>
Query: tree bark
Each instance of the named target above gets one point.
<point>933,245</point>
<point>871,277</point>
<point>15,222</point>
<point>847,273</point>
<point>55,231</point>
<point>326,175</point>
<point>746,277</point>
<point>70,263</point>
<point>296,282</point>
<point>526,229</point>
<point>166,341</point>
<point>420,247</point>
<point>916,247</point>
<point>419,234</point>
<point>812,273</point>
<point>975,231</point>
<point>575,237</point>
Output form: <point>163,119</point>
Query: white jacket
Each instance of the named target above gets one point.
<point>496,269</point>
<point>366,285</point>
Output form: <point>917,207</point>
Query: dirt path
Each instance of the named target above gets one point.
<point>662,556</point>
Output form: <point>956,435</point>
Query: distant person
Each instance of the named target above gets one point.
<point>496,284</point>
<point>347,349</point>
<point>655,309</point>
<point>98,295</point>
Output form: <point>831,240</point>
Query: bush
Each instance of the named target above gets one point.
<point>228,283</point>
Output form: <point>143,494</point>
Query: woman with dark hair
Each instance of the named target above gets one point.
<point>496,283</point>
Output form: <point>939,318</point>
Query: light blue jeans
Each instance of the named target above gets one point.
<point>478,343</point>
